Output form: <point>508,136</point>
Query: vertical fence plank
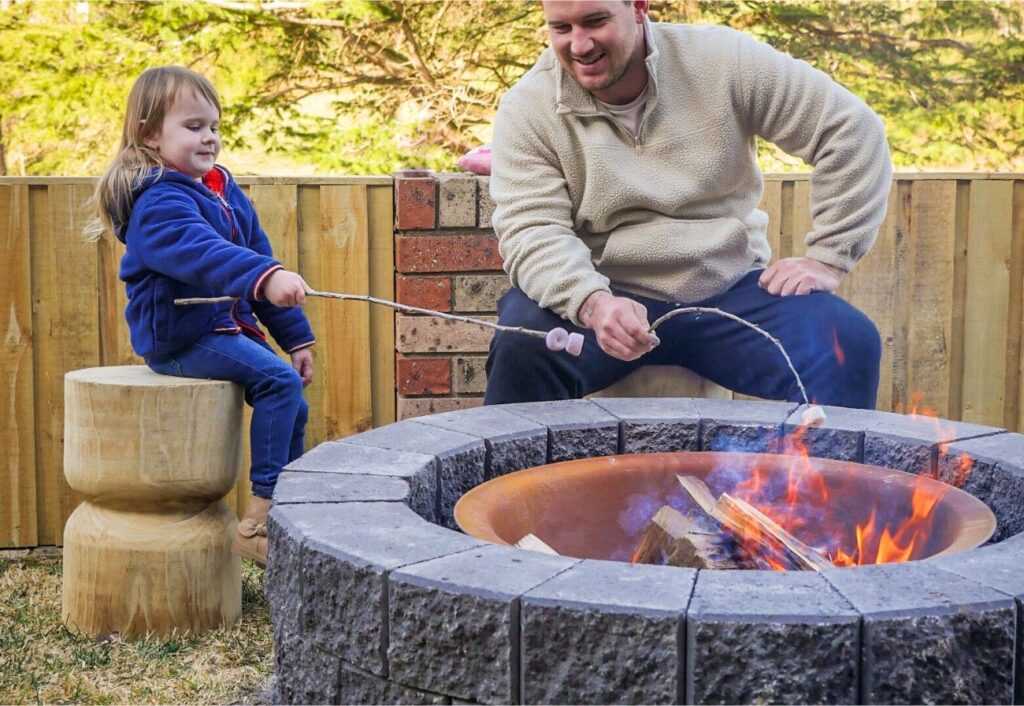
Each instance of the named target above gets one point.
<point>343,266</point>
<point>930,269</point>
<point>18,527</point>
<point>1014,411</point>
<point>801,219</point>
<point>987,301</point>
<point>871,288</point>
<point>65,290</point>
<point>382,319</point>
<point>115,343</point>
<point>771,203</point>
<point>308,236</point>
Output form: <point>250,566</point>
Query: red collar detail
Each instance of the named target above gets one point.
<point>214,181</point>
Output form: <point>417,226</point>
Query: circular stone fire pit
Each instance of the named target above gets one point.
<point>376,598</point>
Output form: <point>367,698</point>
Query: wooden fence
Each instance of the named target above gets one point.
<point>944,283</point>
<point>63,310</point>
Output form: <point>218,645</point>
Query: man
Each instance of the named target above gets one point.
<point>625,182</point>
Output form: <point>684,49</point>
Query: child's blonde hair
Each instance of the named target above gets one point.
<point>150,99</point>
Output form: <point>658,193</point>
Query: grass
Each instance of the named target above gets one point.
<point>41,662</point>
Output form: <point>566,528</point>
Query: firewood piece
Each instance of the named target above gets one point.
<point>533,543</point>
<point>805,556</point>
<point>673,539</point>
<point>750,524</point>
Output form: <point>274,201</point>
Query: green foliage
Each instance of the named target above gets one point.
<point>360,86</point>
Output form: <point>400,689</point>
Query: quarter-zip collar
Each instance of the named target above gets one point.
<point>571,98</point>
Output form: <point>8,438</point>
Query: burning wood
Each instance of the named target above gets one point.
<point>533,543</point>
<point>753,528</point>
<point>678,540</point>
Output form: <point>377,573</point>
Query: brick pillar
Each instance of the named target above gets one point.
<point>446,259</point>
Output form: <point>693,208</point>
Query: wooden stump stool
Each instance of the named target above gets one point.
<point>149,550</point>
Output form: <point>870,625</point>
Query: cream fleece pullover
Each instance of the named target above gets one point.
<point>672,213</point>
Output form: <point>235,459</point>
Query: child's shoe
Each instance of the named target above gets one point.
<point>250,539</point>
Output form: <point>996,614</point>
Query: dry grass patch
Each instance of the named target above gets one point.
<point>40,661</point>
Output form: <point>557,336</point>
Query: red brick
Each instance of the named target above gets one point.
<point>423,376</point>
<point>415,203</point>
<point>426,292</point>
<point>446,253</point>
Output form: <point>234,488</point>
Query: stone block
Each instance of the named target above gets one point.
<point>457,200</point>
<point>423,376</point>
<point>479,292</point>
<point>910,442</point>
<point>770,637</point>
<point>922,626</point>
<point>425,292</point>
<point>423,334</point>
<point>576,428</point>
<point>299,487</point>
<point>313,679</point>
<point>733,425</point>
<point>469,374</point>
<point>460,457</point>
<point>485,208</point>
<point>413,407</point>
<point>415,203</point>
<point>513,443</point>
<point>419,470</point>
<point>282,586</point>
<point>358,686</point>
<point>840,437</point>
<point>1001,567</point>
<point>655,424</point>
<point>348,551</point>
<point>991,469</point>
<point>620,631</point>
<point>454,621</point>
<point>446,253</point>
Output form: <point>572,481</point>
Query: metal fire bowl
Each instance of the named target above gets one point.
<point>596,508</point>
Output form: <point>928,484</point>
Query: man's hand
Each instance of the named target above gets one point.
<point>284,288</point>
<point>620,324</point>
<point>800,275</point>
<point>302,361</point>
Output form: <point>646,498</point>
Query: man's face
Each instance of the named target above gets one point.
<point>596,39</point>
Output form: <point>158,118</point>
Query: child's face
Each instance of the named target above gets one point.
<point>189,139</point>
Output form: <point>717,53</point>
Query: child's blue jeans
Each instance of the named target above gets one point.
<point>272,387</point>
<point>834,347</point>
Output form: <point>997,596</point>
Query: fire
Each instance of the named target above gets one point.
<point>837,349</point>
<point>882,535</point>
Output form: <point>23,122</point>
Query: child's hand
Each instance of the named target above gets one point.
<point>302,361</point>
<point>284,288</point>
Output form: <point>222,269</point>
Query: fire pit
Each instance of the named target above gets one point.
<point>375,598</point>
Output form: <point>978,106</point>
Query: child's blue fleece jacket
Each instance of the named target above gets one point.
<point>185,241</point>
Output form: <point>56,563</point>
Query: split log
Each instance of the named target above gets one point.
<point>754,527</point>
<point>678,540</point>
<point>533,543</point>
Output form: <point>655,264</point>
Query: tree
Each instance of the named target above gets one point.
<point>363,86</point>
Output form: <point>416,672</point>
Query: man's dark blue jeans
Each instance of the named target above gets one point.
<point>834,347</point>
<point>272,387</point>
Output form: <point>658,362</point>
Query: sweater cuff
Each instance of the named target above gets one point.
<point>830,257</point>
<point>299,347</point>
<point>257,290</point>
<point>579,297</point>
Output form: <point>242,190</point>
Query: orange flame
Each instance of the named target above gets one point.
<point>837,349</point>
<point>802,507</point>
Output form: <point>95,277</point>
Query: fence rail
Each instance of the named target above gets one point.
<point>944,283</point>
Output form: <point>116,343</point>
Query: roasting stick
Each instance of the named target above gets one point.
<point>813,415</point>
<point>556,339</point>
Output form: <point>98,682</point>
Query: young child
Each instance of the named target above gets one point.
<point>191,232</point>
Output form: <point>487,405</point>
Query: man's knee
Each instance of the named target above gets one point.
<point>857,340</point>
